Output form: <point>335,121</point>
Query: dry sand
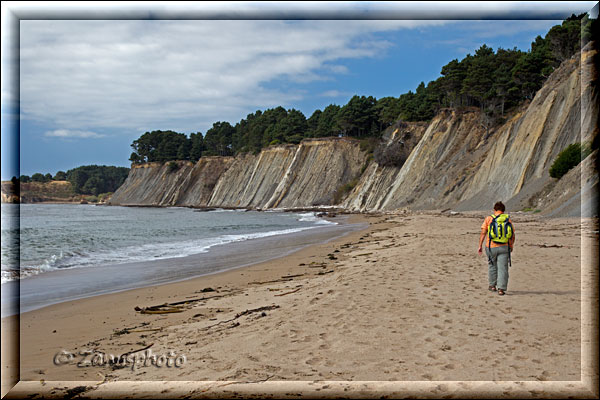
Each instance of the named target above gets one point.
<point>404,300</point>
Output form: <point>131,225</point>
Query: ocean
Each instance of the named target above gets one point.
<point>70,251</point>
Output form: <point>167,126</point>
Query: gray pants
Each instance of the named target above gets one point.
<point>498,266</point>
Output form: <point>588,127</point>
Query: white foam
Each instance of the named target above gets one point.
<point>312,217</point>
<point>46,265</point>
<point>146,252</point>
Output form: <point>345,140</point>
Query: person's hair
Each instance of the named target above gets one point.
<point>499,206</point>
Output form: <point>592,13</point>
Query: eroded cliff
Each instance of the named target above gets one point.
<point>455,161</point>
<point>283,176</point>
<point>460,164</point>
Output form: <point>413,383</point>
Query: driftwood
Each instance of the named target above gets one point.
<point>544,245</point>
<point>241,314</point>
<point>137,351</point>
<point>324,272</point>
<point>162,309</point>
<point>293,291</point>
<point>198,299</point>
<point>175,307</point>
<point>238,383</point>
<point>126,331</point>
<point>286,278</point>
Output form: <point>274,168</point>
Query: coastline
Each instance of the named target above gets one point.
<point>76,283</point>
<point>398,302</point>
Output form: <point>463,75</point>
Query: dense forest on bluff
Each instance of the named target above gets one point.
<point>87,179</point>
<point>493,81</point>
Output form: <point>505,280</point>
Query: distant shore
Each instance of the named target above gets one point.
<point>397,301</point>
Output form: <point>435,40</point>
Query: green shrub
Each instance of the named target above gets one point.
<point>172,166</point>
<point>366,164</point>
<point>392,155</point>
<point>343,190</point>
<point>274,142</point>
<point>104,196</point>
<point>368,145</point>
<point>295,139</point>
<point>569,158</point>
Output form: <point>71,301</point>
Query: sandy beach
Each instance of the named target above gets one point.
<point>404,300</point>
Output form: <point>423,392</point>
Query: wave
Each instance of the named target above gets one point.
<point>312,217</point>
<point>138,253</point>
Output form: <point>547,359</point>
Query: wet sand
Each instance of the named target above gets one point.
<point>399,301</point>
<point>75,283</point>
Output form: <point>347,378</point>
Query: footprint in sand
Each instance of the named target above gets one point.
<point>313,360</point>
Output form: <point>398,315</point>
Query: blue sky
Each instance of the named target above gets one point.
<point>88,88</point>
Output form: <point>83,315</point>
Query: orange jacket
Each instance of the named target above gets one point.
<point>484,231</point>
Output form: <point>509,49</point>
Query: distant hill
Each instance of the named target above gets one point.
<point>35,192</point>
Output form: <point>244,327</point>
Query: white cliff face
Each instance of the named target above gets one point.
<point>140,187</point>
<point>252,179</point>
<point>434,168</point>
<point>283,176</point>
<point>457,164</point>
<point>524,148</point>
<point>290,176</point>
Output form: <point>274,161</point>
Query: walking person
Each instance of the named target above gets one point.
<point>498,233</point>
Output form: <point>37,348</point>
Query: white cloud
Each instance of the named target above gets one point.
<point>184,75</point>
<point>472,35</point>
<point>333,93</point>
<point>65,133</point>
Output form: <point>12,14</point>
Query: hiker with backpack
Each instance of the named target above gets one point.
<point>498,233</point>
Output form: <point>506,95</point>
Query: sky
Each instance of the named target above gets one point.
<point>89,87</point>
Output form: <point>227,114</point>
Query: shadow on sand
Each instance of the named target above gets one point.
<point>525,292</point>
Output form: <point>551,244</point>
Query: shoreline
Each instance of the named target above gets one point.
<point>73,314</point>
<point>77,283</point>
<point>384,303</point>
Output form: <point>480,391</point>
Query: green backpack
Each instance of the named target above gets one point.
<point>500,229</point>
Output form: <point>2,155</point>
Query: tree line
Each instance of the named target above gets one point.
<point>494,81</point>
<point>87,179</point>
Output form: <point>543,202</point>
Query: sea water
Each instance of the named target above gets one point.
<point>58,252</point>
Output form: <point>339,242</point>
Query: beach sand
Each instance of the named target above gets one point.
<point>404,300</point>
